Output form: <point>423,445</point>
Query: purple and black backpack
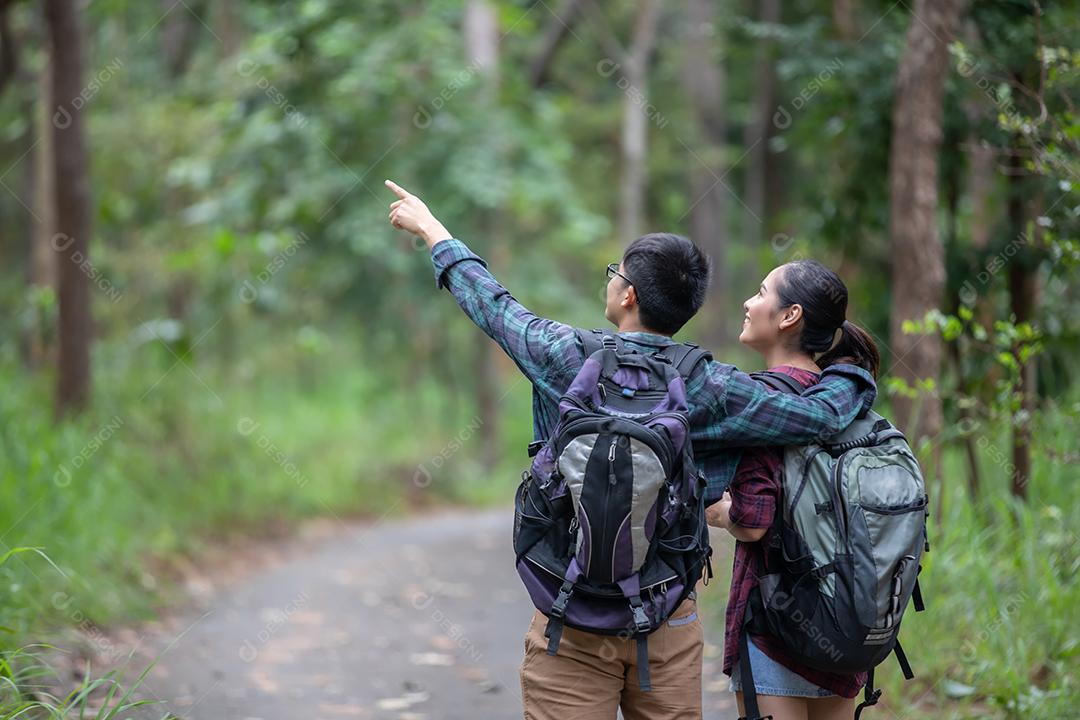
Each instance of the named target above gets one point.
<point>609,523</point>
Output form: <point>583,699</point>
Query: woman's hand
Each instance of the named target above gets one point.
<point>410,213</point>
<point>719,513</point>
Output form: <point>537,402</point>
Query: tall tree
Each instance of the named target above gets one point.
<point>1013,34</point>
<point>918,257</point>
<point>635,123</point>
<point>704,83</point>
<point>843,12</point>
<point>759,165</point>
<point>481,29</point>
<point>180,27</point>
<point>228,25</point>
<point>42,268</point>
<point>1024,206</point>
<point>73,219</point>
<point>9,56</point>
<point>979,179</point>
<point>559,26</point>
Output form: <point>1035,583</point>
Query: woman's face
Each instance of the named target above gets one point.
<point>762,323</point>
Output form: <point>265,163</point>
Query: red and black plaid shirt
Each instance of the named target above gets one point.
<point>754,493</point>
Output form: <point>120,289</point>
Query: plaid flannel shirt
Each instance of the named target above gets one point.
<point>727,408</point>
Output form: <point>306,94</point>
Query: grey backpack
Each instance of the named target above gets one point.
<point>843,559</point>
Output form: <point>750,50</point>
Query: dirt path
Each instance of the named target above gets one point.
<point>403,619</point>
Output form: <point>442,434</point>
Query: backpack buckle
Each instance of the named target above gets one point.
<point>558,608</point>
<point>641,620</point>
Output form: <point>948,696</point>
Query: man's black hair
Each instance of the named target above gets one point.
<point>671,276</point>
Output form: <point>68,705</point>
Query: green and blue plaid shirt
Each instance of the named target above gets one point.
<point>728,408</point>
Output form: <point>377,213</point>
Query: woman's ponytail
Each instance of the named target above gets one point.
<point>855,347</point>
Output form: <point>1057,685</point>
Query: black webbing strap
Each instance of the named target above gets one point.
<point>593,340</point>
<point>905,666</point>
<point>746,677</point>
<point>643,626</point>
<point>685,357</point>
<point>870,695</point>
<point>553,631</point>
<point>916,597</point>
<point>644,682</point>
<point>779,381</point>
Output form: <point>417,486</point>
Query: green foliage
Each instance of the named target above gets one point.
<point>1009,345</point>
<point>997,638</point>
<point>175,455</point>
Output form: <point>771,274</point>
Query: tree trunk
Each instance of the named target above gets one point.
<point>635,138</point>
<point>1023,297</point>
<point>482,46</point>
<point>704,82</point>
<point>979,182</point>
<point>918,258</point>
<point>179,29</point>
<point>73,219</point>
<point>981,175</point>
<point>1023,294</point>
<point>42,268</point>
<point>560,24</point>
<point>229,26</point>
<point>756,140</point>
<point>9,53</point>
<point>843,12</point>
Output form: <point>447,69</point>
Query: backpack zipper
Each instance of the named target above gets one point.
<point>915,506</point>
<point>607,498</point>
<point>841,508</point>
<point>658,443</point>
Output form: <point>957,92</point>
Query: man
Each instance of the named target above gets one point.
<point>657,287</point>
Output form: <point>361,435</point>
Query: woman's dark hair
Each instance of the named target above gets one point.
<point>824,297</point>
<point>670,275</point>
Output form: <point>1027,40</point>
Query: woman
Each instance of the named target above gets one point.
<point>797,322</point>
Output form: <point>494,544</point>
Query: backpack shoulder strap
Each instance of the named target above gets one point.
<point>779,381</point>
<point>685,357</point>
<point>593,340</point>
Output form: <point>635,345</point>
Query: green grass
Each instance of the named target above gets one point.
<point>212,450</point>
<point>999,638</point>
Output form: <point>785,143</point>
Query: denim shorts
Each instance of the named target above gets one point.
<point>772,678</point>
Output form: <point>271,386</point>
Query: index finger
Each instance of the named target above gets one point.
<point>398,190</point>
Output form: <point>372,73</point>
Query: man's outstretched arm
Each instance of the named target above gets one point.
<point>540,347</point>
<point>744,412</point>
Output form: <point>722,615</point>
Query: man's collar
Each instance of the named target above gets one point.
<point>647,338</point>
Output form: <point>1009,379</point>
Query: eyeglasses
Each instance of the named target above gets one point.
<point>613,270</point>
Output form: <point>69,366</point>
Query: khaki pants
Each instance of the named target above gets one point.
<point>592,676</point>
